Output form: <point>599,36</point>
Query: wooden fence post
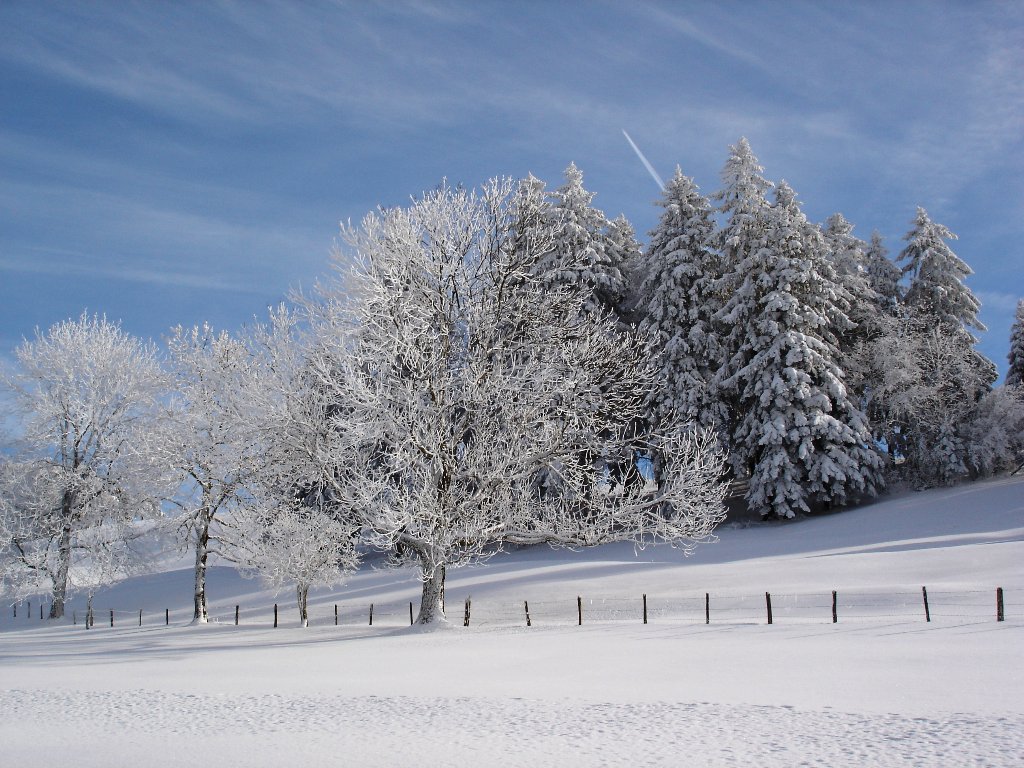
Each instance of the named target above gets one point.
<point>579,609</point>
<point>275,615</point>
<point>526,607</point>
<point>371,614</point>
<point>40,611</point>
<point>28,609</point>
<point>927,611</point>
<point>111,617</point>
<point>707,607</point>
<point>835,613</point>
<point>410,614</point>
<point>74,617</point>
<point>768,602</point>
<point>236,615</point>
<point>645,608</point>
<point>465,619</point>
<point>1000,615</point>
<point>335,614</point>
<point>140,617</point>
<point>167,617</point>
<point>15,607</point>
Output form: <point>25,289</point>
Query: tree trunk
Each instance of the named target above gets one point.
<point>200,615</point>
<point>302,592</point>
<point>432,597</point>
<point>60,576</point>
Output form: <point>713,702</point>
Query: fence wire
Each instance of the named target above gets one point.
<point>945,606</point>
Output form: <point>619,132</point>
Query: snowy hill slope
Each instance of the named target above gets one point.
<point>880,687</point>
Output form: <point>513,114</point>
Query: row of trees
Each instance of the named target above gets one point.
<point>807,350</point>
<point>507,367</point>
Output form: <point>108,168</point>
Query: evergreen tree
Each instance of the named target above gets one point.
<point>583,254</point>
<point>1015,373</point>
<point>937,275</point>
<point>745,207</point>
<point>799,434</point>
<point>849,258</point>
<point>625,257</point>
<point>883,275</point>
<point>937,291</point>
<point>677,305</point>
<point>942,376</point>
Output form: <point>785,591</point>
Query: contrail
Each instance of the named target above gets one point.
<point>647,165</point>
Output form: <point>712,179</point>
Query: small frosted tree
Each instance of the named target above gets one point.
<point>300,544</point>
<point>210,441</point>
<point>87,397</point>
<point>288,531</point>
<point>797,432</point>
<point>1015,373</point>
<point>459,377</point>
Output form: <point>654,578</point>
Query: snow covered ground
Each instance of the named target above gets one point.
<point>880,687</point>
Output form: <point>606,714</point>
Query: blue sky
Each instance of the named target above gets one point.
<point>168,163</point>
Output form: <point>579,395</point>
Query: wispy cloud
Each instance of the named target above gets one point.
<point>45,262</point>
<point>677,22</point>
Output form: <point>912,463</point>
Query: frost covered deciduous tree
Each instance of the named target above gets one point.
<point>994,432</point>
<point>1015,357</point>
<point>210,440</point>
<point>797,432</point>
<point>87,396</point>
<point>301,544</point>
<point>459,378</point>
<point>928,390</point>
<point>676,305</point>
<point>288,529</point>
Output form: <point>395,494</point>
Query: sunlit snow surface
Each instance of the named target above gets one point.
<point>881,687</point>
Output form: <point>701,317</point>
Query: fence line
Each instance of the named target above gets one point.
<point>831,606</point>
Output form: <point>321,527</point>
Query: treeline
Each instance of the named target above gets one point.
<point>508,366</point>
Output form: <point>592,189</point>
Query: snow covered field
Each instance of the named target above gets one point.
<point>880,687</point>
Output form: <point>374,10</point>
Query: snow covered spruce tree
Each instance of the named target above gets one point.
<point>849,259</point>
<point>287,530</point>
<point>796,430</point>
<point>859,268</point>
<point>87,397</point>
<point>459,378</point>
<point>883,275</point>
<point>210,440</point>
<point>676,304</point>
<point>1015,373</point>
<point>745,207</point>
<point>952,375</point>
<point>587,250</point>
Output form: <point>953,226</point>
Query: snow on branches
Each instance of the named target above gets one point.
<point>476,406</point>
<point>88,397</point>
